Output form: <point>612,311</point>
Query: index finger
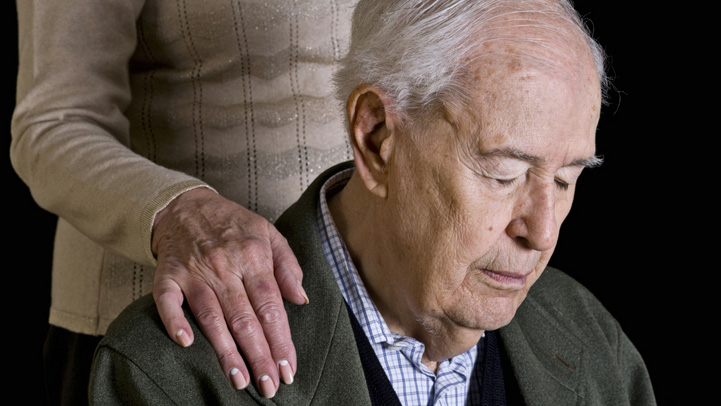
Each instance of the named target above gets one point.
<point>169,301</point>
<point>287,271</point>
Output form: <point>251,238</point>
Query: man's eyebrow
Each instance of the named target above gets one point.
<point>514,153</point>
<point>592,162</point>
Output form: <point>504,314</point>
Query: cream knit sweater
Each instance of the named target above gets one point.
<point>122,105</point>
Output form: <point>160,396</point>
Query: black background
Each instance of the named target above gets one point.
<point>625,238</point>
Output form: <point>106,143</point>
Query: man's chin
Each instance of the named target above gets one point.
<point>492,314</point>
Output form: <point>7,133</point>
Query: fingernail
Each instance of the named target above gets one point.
<point>286,372</point>
<point>183,338</point>
<point>267,387</point>
<point>302,292</point>
<point>238,379</point>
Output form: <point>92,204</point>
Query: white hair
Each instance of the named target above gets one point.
<point>418,51</point>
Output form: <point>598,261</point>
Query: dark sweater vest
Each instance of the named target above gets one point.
<point>493,381</point>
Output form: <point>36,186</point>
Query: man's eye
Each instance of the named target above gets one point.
<point>561,184</point>
<point>506,182</point>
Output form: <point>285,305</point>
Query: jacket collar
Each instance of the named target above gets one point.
<point>546,358</point>
<point>329,367</point>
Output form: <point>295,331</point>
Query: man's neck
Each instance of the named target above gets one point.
<point>355,213</point>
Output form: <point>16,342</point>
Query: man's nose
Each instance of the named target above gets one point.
<point>534,220</point>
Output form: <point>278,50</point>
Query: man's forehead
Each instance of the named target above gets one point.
<point>505,71</point>
<point>519,45</point>
<point>524,111</point>
<point>542,39</point>
<point>502,99</point>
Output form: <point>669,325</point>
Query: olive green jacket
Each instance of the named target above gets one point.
<point>563,346</point>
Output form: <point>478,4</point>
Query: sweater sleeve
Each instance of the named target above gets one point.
<point>70,137</point>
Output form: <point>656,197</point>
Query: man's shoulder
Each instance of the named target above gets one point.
<point>139,327</point>
<point>124,369</point>
<point>562,337</point>
<point>552,280</point>
<point>139,321</point>
<point>572,306</point>
<point>556,288</point>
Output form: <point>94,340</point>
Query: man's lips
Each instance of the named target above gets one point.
<point>506,279</point>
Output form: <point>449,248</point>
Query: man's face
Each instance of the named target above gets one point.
<point>476,199</point>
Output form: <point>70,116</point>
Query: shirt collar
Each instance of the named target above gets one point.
<point>349,280</point>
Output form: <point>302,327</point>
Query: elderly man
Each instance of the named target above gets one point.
<point>425,264</point>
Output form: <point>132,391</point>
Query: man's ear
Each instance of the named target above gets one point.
<point>372,131</point>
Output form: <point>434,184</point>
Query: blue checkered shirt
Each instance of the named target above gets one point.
<point>456,382</point>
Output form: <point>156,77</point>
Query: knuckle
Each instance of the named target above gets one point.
<point>226,356</point>
<point>243,324</point>
<point>262,288</point>
<point>280,239</point>
<point>167,270</point>
<point>281,350</point>
<point>260,361</point>
<point>255,251</point>
<point>270,313</point>
<point>165,297</point>
<point>218,258</point>
<point>210,319</point>
<point>161,292</point>
<point>287,278</point>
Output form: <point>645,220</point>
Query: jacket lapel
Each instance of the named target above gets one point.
<point>546,359</point>
<point>329,367</point>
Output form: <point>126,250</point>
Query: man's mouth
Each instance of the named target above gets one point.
<point>507,280</point>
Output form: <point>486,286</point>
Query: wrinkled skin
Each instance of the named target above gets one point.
<point>492,213</point>
<point>225,261</point>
